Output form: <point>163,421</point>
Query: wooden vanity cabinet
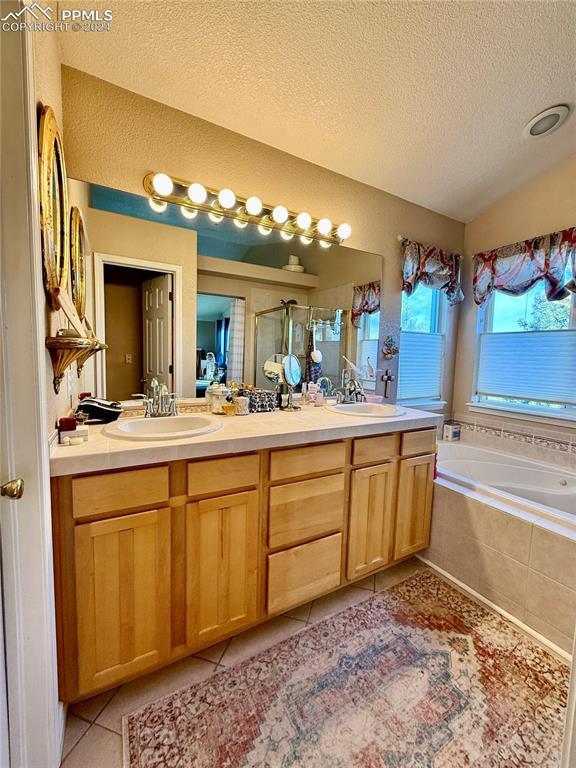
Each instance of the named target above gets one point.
<point>123,597</point>
<point>222,551</point>
<point>415,487</point>
<point>155,563</point>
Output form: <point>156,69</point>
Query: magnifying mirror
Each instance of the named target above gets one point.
<point>292,374</point>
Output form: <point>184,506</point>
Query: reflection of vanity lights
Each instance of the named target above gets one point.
<point>224,203</point>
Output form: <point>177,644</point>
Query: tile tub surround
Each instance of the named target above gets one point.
<point>553,445</point>
<point>418,675</point>
<point>238,434</point>
<point>524,568</point>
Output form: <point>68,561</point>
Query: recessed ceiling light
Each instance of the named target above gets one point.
<point>546,122</point>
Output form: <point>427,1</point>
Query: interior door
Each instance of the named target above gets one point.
<point>157,318</point>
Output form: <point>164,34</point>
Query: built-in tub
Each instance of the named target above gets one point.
<point>526,484</point>
<point>504,526</point>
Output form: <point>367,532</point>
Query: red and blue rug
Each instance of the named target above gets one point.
<point>419,676</point>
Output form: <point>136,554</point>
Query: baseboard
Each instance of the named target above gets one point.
<point>508,616</point>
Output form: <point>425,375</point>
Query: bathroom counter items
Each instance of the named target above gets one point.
<point>251,433</point>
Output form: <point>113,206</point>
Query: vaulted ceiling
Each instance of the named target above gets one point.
<point>426,100</point>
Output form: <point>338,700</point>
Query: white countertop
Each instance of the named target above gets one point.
<point>238,434</point>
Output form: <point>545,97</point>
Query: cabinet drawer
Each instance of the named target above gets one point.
<point>418,442</point>
<point>295,462</point>
<point>303,573</point>
<point>217,475</point>
<point>372,449</point>
<point>99,494</point>
<point>303,510</point>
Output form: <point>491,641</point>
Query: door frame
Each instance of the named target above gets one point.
<point>36,717</point>
<point>102,259</point>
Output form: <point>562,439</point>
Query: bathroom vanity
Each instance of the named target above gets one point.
<point>163,549</point>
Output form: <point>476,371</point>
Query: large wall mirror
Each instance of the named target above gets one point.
<point>190,300</point>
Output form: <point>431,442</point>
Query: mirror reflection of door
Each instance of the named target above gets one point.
<point>138,310</point>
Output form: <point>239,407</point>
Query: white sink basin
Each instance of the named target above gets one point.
<point>373,410</point>
<point>163,427</point>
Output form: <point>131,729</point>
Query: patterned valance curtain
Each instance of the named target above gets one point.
<point>433,267</point>
<point>366,300</point>
<point>514,269</point>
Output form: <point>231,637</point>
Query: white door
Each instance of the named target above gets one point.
<point>157,317</point>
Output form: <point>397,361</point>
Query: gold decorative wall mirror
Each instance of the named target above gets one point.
<point>78,253</point>
<point>54,216</point>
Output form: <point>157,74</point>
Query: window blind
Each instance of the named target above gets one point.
<point>420,366</point>
<point>531,365</point>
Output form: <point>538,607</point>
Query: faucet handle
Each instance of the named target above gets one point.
<point>139,395</point>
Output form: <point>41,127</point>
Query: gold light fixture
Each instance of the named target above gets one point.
<point>218,204</point>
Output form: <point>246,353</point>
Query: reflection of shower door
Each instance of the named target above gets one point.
<point>157,317</point>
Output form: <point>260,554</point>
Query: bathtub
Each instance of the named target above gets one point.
<point>512,482</point>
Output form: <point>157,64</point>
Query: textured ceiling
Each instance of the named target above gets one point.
<point>424,100</point>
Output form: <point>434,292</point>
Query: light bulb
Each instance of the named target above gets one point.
<point>188,213</point>
<point>162,184</point>
<point>305,240</point>
<point>325,244</point>
<point>264,230</point>
<point>158,205</point>
<point>215,217</point>
<point>226,198</point>
<point>280,214</point>
<point>254,205</point>
<point>344,231</point>
<point>240,223</point>
<point>197,193</point>
<point>304,220</point>
<point>286,235</point>
<point>324,226</point>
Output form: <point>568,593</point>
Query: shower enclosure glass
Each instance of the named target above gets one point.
<point>290,329</point>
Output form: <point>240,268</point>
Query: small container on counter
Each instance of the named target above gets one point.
<point>242,405</point>
<point>451,431</point>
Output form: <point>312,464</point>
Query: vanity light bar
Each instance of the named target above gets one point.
<point>193,197</point>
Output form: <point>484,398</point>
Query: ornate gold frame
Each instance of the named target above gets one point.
<point>54,216</point>
<point>78,261</point>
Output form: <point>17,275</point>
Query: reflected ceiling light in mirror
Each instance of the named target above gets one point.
<point>215,216</point>
<point>324,226</point>
<point>163,184</point>
<point>304,220</point>
<point>305,240</point>
<point>188,213</point>
<point>265,226</point>
<point>325,244</point>
<point>157,205</point>
<point>197,193</point>
<point>343,231</point>
<point>285,235</point>
<point>242,220</point>
<point>226,198</point>
<point>280,214</point>
<point>254,205</point>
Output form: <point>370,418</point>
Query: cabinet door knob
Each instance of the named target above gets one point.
<point>13,489</point>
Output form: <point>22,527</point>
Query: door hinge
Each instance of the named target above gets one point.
<point>170,368</point>
<point>170,296</point>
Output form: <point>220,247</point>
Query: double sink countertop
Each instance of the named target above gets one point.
<point>238,434</point>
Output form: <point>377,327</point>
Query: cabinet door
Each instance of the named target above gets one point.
<point>222,546</point>
<point>371,532</point>
<point>122,597</point>
<point>414,506</point>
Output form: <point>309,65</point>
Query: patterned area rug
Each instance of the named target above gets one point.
<point>419,676</point>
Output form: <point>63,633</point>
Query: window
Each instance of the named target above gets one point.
<point>367,349</point>
<point>527,353</point>
<point>421,345</point>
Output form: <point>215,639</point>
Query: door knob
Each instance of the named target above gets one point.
<point>13,489</point>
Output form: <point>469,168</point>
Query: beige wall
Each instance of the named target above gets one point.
<point>546,204</point>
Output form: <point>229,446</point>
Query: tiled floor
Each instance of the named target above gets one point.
<point>93,729</point>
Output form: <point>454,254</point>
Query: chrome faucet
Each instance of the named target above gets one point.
<point>351,390</point>
<point>326,385</point>
<point>161,403</point>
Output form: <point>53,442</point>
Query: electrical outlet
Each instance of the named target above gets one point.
<point>128,358</point>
